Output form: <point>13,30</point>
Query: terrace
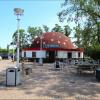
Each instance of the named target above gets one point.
<point>46,83</point>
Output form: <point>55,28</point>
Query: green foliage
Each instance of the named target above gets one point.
<point>11,51</point>
<point>57,28</point>
<point>87,14</point>
<point>32,32</point>
<point>22,38</point>
<point>93,52</point>
<point>3,50</point>
<point>78,35</point>
<point>67,30</point>
<point>46,28</point>
<point>26,39</point>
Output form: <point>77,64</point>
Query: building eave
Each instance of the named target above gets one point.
<point>53,49</point>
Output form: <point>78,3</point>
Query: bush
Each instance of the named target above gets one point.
<point>93,52</point>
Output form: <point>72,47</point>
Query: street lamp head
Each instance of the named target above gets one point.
<point>18,11</point>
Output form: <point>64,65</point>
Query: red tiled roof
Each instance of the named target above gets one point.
<point>54,38</point>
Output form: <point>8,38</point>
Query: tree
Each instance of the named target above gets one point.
<point>39,30</point>
<point>88,10</point>
<point>22,38</point>
<point>77,35</point>
<point>32,32</point>
<point>67,30</point>
<point>93,52</point>
<point>46,28</point>
<point>57,28</point>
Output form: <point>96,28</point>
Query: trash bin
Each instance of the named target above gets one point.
<point>98,74</point>
<point>18,76</point>
<point>13,76</point>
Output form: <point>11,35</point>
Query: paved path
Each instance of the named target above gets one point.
<point>44,84</point>
<point>5,64</point>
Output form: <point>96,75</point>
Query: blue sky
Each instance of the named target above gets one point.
<point>36,13</point>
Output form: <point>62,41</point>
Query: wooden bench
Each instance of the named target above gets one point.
<point>26,68</point>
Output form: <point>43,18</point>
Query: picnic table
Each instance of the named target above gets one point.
<point>86,67</point>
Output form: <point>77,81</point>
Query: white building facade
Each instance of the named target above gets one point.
<point>52,45</point>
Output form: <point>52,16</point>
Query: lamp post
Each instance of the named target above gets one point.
<point>18,12</point>
<point>41,60</point>
<point>13,51</point>
<point>41,41</point>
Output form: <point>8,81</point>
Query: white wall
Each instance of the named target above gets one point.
<point>81,54</point>
<point>41,54</point>
<point>62,54</point>
<point>74,54</point>
<point>22,53</point>
<point>29,54</point>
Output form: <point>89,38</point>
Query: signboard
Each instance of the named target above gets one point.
<point>51,46</point>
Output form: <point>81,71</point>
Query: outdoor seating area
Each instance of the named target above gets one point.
<point>45,83</point>
<point>50,49</point>
<point>81,68</point>
<point>84,65</point>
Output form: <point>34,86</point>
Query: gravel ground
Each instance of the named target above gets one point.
<point>45,83</point>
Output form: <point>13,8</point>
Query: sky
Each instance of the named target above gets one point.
<point>36,13</point>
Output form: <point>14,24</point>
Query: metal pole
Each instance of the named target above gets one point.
<point>41,42</point>
<point>41,62</point>
<point>13,50</point>
<point>18,12</point>
<point>18,25</point>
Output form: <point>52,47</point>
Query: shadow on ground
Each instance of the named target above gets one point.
<point>57,84</point>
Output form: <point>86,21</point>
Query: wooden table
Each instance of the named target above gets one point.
<point>86,67</point>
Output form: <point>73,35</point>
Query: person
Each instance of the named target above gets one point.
<point>69,61</point>
<point>57,64</point>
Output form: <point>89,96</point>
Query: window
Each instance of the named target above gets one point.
<point>33,54</point>
<point>69,55</point>
<point>47,54</point>
<point>79,54</point>
<point>24,54</point>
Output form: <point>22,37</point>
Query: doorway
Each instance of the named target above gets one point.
<point>51,56</point>
<point>69,55</point>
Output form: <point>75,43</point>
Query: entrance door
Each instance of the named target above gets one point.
<point>69,55</point>
<point>51,56</point>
